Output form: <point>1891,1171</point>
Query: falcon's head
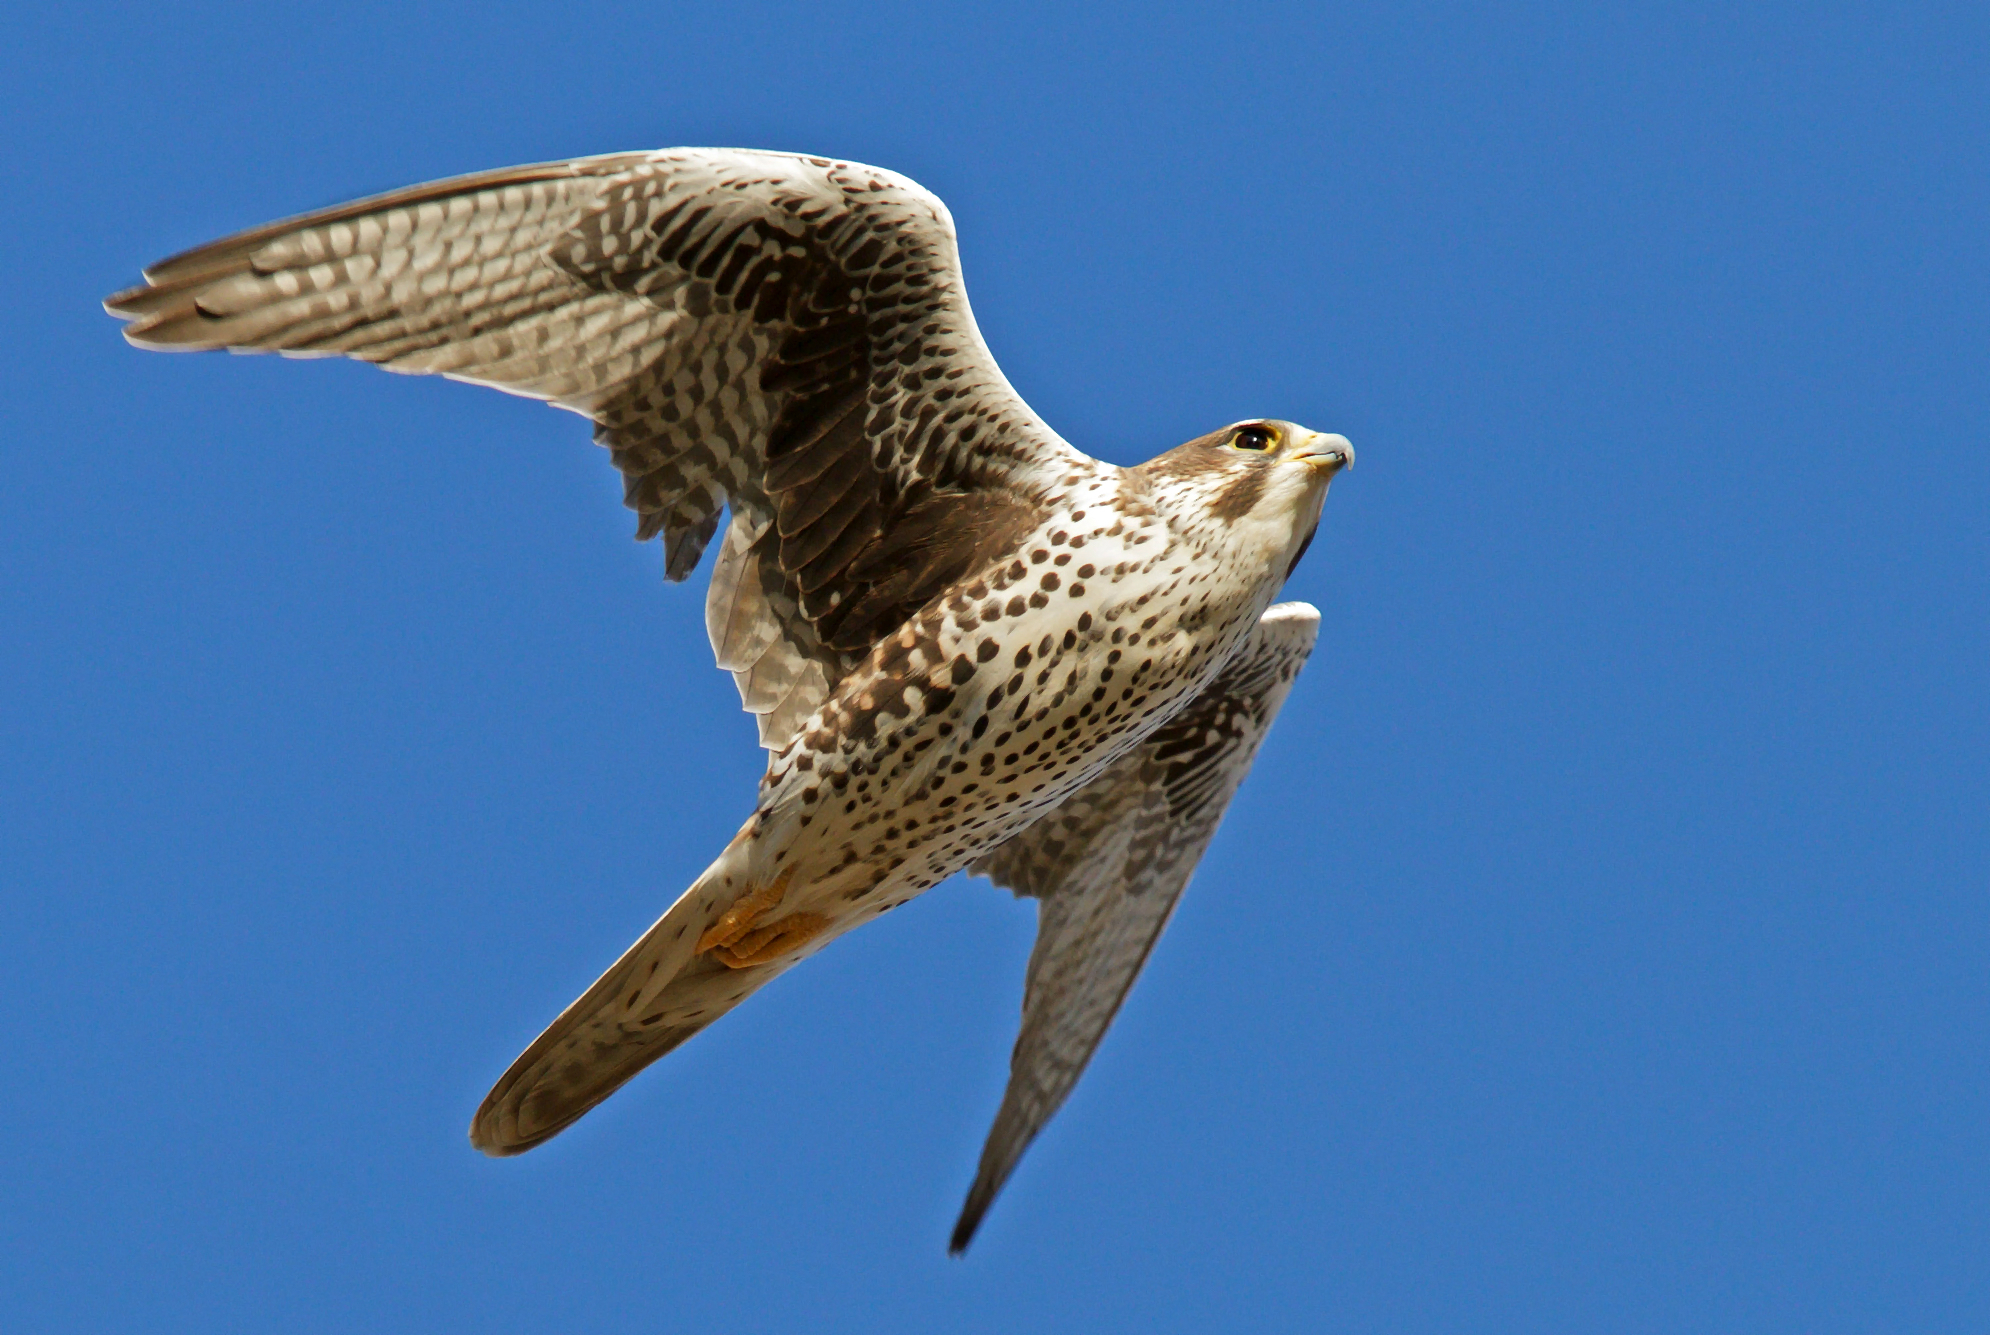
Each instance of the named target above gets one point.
<point>1259,484</point>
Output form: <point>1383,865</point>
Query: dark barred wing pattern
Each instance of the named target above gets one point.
<point>1107,867</point>
<point>789,335</point>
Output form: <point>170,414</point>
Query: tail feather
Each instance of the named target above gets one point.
<point>656,996</point>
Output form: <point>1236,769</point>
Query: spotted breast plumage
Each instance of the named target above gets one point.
<point>967,644</point>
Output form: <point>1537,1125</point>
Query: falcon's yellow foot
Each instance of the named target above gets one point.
<point>771,942</point>
<point>738,941</point>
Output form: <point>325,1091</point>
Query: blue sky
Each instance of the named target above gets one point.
<point>1601,943</point>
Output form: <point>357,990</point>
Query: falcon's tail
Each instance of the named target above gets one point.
<point>658,994</point>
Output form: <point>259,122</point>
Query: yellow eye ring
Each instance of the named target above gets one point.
<point>1256,439</point>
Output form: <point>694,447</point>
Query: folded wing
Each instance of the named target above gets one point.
<point>1107,867</point>
<point>787,334</point>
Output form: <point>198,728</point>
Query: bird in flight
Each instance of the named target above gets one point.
<point>967,644</point>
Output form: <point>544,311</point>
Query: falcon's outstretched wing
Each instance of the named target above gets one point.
<point>786,333</point>
<point>1107,867</point>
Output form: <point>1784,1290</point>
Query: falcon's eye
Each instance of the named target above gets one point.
<point>1252,438</point>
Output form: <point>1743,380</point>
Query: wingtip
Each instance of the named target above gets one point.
<point>491,1149</point>
<point>481,1141</point>
<point>156,335</point>
<point>495,1134</point>
<point>503,1149</point>
<point>157,319</point>
<point>979,1197</point>
<point>489,1133</point>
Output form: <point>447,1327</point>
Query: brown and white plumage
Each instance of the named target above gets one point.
<point>965,641</point>
<point>1107,868</point>
<point>790,334</point>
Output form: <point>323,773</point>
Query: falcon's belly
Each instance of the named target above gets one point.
<point>989,708</point>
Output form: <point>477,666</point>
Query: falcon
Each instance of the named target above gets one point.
<point>967,644</point>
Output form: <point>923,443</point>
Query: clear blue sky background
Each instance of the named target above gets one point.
<point>1602,943</point>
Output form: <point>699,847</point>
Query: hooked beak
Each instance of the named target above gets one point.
<point>1325,451</point>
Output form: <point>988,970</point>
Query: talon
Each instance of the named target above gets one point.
<point>771,942</point>
<point>739,920</point>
